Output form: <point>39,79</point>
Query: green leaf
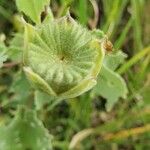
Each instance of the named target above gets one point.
<point>3,56</point>
<point>20,88</point>
<point>111,86</point>
<point>15,49</point>
<point>97,33</point>
<point>24,132</point>
<point>32,8</point>
<point>112,61</point>
<point>42,99</point>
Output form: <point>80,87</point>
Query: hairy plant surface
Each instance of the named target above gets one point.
<point>62,58</point>
<point>74,75</point>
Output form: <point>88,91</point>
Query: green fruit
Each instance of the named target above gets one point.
<point>25,132</point>
<point>62,58</point>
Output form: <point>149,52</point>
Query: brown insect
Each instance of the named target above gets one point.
<point>108,46</point>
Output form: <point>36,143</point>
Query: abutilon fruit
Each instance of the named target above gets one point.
<point>61,57</point>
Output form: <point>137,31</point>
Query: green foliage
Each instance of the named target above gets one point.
<point>82,7</point>
<point>16,47</point>
<point>3,56</point>
<point>32,8</point>
<point>25,131</point>
<point>42,99</point>
<point>114,60</point>
<point>84,122</point>
<point>110,86</point>
<point>20,88</point>
<point>137,12</point>
<point>110,81</point>
<point>112,16</point>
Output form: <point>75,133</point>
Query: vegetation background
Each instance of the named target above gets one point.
<point>113,115</point>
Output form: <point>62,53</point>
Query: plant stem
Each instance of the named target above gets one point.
<point>54,104</point>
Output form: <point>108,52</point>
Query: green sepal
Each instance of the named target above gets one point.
<point>49,17</point>
<point>38,82</point>
<point>79,89</point>
<point>99,59</point>
<point>29,32</point>
<point>99,34</point>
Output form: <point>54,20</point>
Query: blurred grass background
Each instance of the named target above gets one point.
<point>84,124</point>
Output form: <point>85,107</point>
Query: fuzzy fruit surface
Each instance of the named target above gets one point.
<point>62,53</point>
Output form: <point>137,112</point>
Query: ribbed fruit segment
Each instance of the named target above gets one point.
<point>61,54</point>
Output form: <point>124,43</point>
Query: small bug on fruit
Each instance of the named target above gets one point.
<point>108,46</point>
